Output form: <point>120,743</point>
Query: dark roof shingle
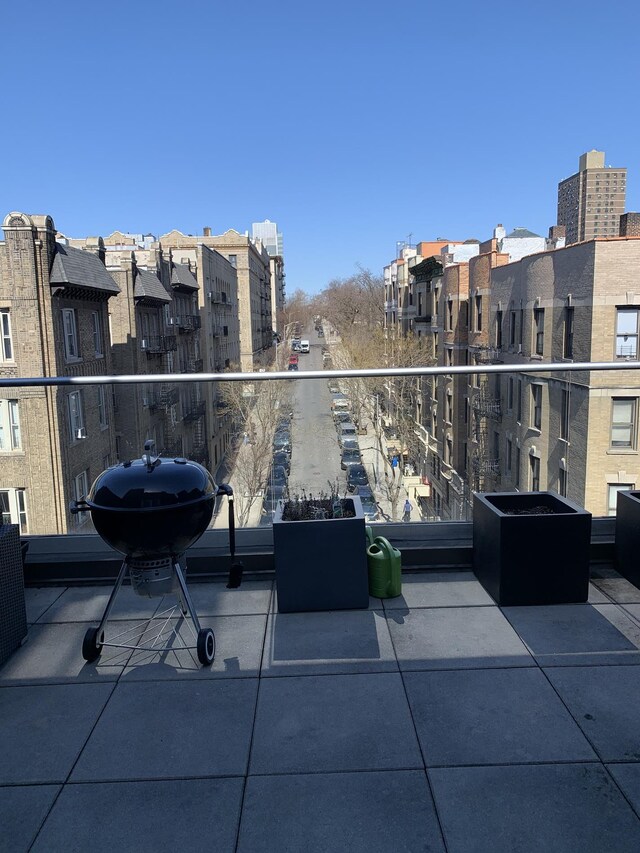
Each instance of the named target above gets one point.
<point>149,286</point>
<point>78,268</point>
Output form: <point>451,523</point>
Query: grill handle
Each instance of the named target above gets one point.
<point>78,506</point>
<point>237,566</point>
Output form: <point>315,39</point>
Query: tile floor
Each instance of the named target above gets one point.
<point>436,721</point>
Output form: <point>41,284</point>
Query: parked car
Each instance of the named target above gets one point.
<point>292,366</point>
<point>347,430</point>
<point>350,444</point>
<point>356,476</point>
<point>295,345</point>
<point>282,459</point>
<point>270,502</point>
<point>304,346</point>
<point>320,333</point>
<point>282,440</point>
<point>350,456</point>
<point>341,417</point>
<point>333,388</point>
<point>293,358</point>
<point>369,503</point>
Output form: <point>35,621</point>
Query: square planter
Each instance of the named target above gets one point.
<point>13,617</point>
<point>627,547</point>
<point>531,548</point>
<point>321,564</point>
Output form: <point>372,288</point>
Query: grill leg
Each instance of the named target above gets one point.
<point>111,602</point>
<point>185,597</point>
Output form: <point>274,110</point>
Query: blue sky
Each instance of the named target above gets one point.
<point>351,124</point>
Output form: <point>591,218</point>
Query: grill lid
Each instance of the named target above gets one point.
<point>151,483</point>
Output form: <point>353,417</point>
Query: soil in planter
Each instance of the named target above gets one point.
<point>534,510</point>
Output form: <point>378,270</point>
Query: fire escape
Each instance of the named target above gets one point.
<point>487,414</point>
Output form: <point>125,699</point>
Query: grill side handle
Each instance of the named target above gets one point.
<point>78,506</point>
<point>237,566</point>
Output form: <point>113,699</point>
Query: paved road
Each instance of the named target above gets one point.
<point>315,457</point>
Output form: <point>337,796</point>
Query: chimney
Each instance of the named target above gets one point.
<point>206,231</point>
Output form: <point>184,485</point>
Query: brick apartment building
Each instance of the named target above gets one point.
<point>54,302</point>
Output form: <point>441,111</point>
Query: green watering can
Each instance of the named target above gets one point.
<point>384,563</point>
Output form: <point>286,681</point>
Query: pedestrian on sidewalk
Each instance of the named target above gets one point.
<point>407,510</point>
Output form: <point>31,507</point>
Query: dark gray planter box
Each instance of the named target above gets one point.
<point>321,564</point>
<point>13,617</point>
<point>536,558</point>
<point>628,536</point>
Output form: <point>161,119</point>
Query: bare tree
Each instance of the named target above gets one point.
<point>256,408</point>
<point>391,406</point>
<point>354,302</point>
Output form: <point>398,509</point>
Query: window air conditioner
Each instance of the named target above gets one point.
<point>81,433</point>
<point>145,343</point>
<point>519,349</point>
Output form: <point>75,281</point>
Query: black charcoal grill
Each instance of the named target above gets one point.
<point>151,510</point>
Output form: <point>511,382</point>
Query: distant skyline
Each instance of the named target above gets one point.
<point>351,125</point>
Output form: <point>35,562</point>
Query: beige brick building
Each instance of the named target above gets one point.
<point>54,317</point>
<point>252,264</point>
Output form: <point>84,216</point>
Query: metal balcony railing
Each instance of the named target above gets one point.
<point>186,322</point>
<point>191,365</point>
<point>158,344</point>
<point>193,410</point>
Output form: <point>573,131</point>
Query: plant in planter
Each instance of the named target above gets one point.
<point>319,546</point>
<point>531,548</point>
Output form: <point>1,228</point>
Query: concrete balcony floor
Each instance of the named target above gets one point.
<point>436,721</point>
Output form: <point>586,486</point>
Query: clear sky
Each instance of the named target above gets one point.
<point>351,124</point>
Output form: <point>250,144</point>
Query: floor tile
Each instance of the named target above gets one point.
<point>52,654</point>
<point>88,603</point>
<point>23,808</point>
<point>38,599</point>
<point>214,599</point>
<point>627,777</point>
<point>619,589</point>
<point>605,702</point>
<point>577,634</point>
<point>321,643</point>
<point>331,723</point>
<point>239,645</point>
<point>455,638</point>
<point>162,729</point>
<point>374,604</point>
<point>148,817</point>
<point>44,728</point>
<point>562,808</point>
<point>369,812</point>
<point>439,589</point>
<point>597,596</point>
<point>492,716</point>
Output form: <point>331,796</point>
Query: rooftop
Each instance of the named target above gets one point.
<point>435,721</point>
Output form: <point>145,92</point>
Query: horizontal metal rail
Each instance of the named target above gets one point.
<point>294,376</point>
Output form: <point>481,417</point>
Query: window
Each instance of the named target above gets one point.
<point>225,331</point>
<point>627,333</point>
<point>562,482</point>
<point>96,330</point>
<point>521,329</point>
<point>102,408</point>
<point>233,260</point>
<point>534,463</point>
<point>519,412</point>
<point>76,418</point>
<point>6,344</point>
<point>509,455</point>
<point>13,506</point>
<point>478,301</point>
<point>512,328</point>
<point>623,421</point>
<point>536,405</point>
<point>538,318</point>
<point>448,408</point>
<point>517,482</point>
<point>70,330</point>
<point>449,315</point>
<point>510,393</point>
<point>568,333</point>
<point>564,414</point>
<point>498,329</point>
<point>9,426</point>
<point>613,489</point>
<point>80,490</point>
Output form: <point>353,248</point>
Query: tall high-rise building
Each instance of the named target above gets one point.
<point>267,232</point>
<point>591,202</point>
